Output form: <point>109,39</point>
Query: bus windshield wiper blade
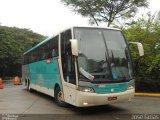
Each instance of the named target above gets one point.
<point>101,81</point>
<point>124,78</point>
<point>85,80</point>
<point>110,81</point>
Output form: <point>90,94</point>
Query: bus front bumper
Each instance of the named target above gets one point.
<point>84,99</point>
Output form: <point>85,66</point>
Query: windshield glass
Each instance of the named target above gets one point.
<point>103,55</point>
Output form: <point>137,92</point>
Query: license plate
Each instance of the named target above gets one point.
<point>112,98</point>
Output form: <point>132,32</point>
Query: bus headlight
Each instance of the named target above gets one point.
<point>86,89</point>
<point>130,87</point>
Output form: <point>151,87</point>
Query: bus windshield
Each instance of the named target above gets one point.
<point>103,55</point>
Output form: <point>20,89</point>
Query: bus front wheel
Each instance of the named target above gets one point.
<point>59,98</point>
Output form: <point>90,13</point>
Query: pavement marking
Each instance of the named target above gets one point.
<point>148,94</point>
<point>31,105</point>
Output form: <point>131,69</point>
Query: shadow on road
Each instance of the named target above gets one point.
<point>105,109</point>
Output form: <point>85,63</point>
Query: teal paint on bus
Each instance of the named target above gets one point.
<point>111,87</point>
<point>44,74</point>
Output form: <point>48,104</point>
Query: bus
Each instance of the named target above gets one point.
<point>82,66</point>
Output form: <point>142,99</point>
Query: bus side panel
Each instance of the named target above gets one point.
<point>45,75</point>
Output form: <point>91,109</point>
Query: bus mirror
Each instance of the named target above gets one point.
<point>74,46</point>
<point>140,47</point>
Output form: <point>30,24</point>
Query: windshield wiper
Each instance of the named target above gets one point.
<point>122,79</point>
<point>103,81</point>
<point>85,80</point>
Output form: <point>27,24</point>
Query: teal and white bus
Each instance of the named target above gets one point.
<point>82,66</point>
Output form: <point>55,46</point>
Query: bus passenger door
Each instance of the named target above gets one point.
<point>68,68</point>
<point>69,79</point>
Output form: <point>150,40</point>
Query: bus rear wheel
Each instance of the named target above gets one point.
<point>59,98</point>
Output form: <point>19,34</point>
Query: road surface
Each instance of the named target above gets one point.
<point>16,100</point>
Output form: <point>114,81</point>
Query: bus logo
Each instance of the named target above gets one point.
<point>112,90</point>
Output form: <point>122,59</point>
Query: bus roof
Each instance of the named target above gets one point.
<point>44,41</point>
<point>67,28</point>
<point>96,27</point>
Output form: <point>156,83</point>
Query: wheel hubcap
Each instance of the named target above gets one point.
<point>60,96</point>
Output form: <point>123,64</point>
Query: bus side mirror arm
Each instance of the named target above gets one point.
<point>140,47</point>
<point>74,50</point>
<point>74,46</point>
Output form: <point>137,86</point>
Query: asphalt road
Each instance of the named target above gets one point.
<point>16,102</point>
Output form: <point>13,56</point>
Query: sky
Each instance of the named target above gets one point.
<point>46,17</point>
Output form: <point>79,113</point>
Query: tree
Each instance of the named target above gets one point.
<point>105,10</point>
<point>147,31</point>
<point>14,42</point>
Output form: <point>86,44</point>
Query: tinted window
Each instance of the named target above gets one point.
<point>45,51</point>
<point>67,58</point>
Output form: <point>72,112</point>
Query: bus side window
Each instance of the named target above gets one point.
<point>53,53</point>
<point>54,47</point>
<point>43,54</point>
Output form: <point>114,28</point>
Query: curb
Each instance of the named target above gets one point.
<point>7,80</point>
<point>148,94</point>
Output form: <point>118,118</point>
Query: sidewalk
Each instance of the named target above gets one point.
<point>148,94</point>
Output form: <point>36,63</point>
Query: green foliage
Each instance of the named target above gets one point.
<point>14,42</point>
<point>148,86</point>
<point>105,10</point>
<point>147,31</point>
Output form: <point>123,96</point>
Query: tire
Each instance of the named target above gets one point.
<point>58,98</point>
